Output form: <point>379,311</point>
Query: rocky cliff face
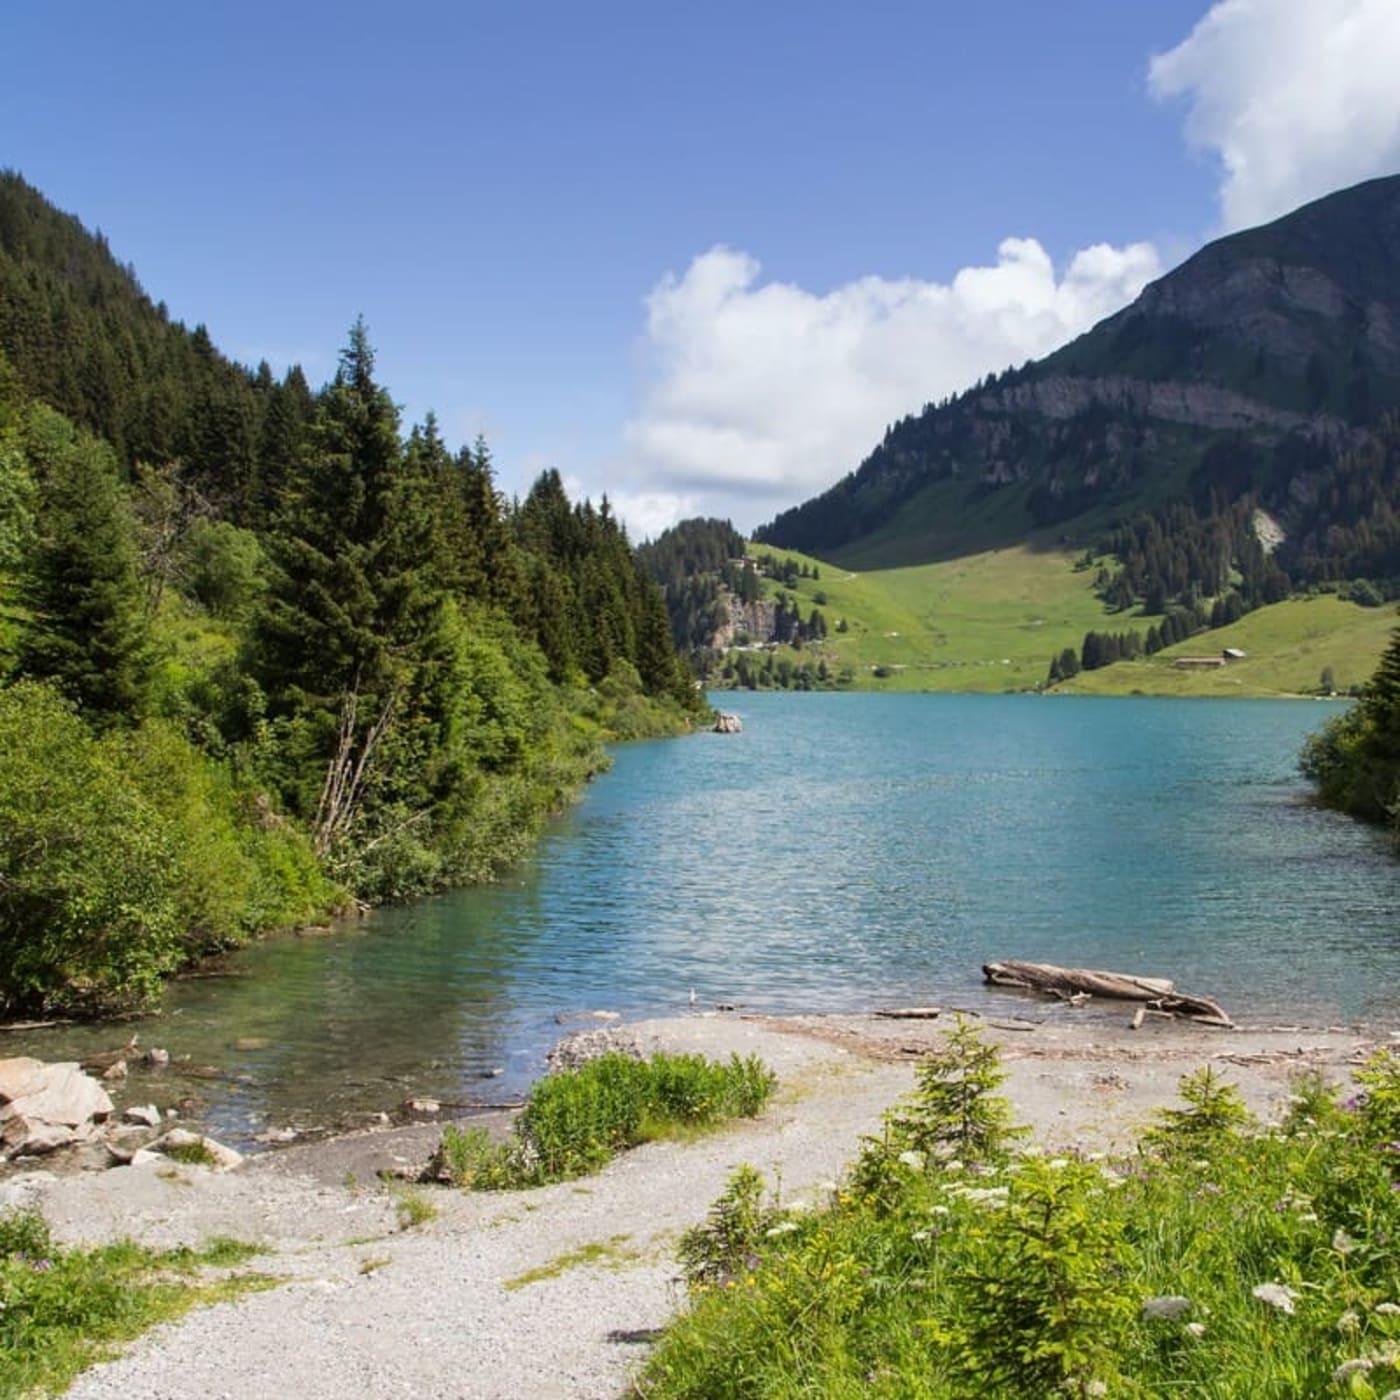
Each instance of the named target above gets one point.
<point>1248,368</point>
<point>754,620</point>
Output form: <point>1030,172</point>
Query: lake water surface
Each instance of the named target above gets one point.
<point>843,852</point>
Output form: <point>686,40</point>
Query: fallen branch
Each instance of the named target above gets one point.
<point>910,1013</point>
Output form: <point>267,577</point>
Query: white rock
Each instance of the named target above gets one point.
<point>146,1114</point>
<point>43,1107</point>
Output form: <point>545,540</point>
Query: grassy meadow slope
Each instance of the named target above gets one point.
<point>1288,646</point>
<point>985,622</point>
<point>991,621</point>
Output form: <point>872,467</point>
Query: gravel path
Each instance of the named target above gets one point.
<point>446,1310</point>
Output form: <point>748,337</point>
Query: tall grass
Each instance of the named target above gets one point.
<point>576,1122</point>
<point>1222,1260</point>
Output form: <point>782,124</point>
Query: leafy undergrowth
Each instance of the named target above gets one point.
<point>1222,1260</point>
<point>575,1122</point>
<point>63,1309</point>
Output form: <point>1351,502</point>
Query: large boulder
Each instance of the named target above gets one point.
<point>43,1107</point>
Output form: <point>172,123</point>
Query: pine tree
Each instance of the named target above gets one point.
<point>87,628</point>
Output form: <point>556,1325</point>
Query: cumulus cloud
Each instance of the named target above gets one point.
<point>1296,97</point>
<point>760,393</point>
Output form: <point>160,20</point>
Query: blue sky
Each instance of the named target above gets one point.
<point>694,256</point>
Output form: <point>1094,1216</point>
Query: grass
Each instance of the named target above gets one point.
<point>985,622</point>
<point>412,1208</point>
<point>597,1253</point>
<point>575,1122</point>
<point>1223,1259</point>
<point>63,1309</point>
<point>1289,645</point>
<point>990,622</point>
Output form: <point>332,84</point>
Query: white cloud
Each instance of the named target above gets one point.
<point>1297,98</point>
<point>759,394</point>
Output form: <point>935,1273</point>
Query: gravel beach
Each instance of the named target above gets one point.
<point>484,1300</point>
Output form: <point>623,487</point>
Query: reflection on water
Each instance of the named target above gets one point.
<point>842,852</point>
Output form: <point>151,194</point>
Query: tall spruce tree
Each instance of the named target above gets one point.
<point>351,615</point>
<point>86,628</point>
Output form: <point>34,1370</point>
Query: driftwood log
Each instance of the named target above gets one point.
<point>1077,984</point>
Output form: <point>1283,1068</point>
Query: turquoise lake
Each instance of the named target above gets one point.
<point>843,852</point>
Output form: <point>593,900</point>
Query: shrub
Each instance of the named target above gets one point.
<point>1214,1115</point>
<point>575,1122</point>
<point>729,1240</point>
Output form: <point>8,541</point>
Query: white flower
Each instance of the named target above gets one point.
<point>1201,1164</point>
<point>783,1227</point>
<point>827,1186</point>
<point>1276,1295</point>
<point>912,1159</point>
<point>1349,1321</point>
<point>953,1166</point>
<point>1351,1368</point>
<point>921,1236</point>
<point>943,1210</point>
<point>1058,1163</point>
<point>1167,1308</point>
<point>1387,1309</point>
<point>1196,1329</point>
<point>1342,1242</point>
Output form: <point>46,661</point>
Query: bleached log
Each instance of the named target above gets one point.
<point>1071,983</point>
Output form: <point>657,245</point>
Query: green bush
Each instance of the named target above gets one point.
<point>123,856</point>
<point>1242,1263</point>
<point>576,1122</point>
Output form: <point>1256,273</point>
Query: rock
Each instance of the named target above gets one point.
<point>422,1106</point>
<point>274,1135</point>
<point>186,1146</point>
<point>580,1047</point>
<point>728,724</point>
<point>115,1072</point>
<point>157,1059</point>
<point>146,1114</point>
<point>43,1107</point>
<point>143,1157</point>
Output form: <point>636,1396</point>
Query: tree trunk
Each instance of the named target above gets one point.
<point>1078,984</point>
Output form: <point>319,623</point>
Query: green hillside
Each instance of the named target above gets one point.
<point>1288,645</point>
<point>990,622</point>
<point>987,622</point>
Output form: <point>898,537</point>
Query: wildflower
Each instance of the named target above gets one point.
<point>1201,1164</point>
<point>943,1210</point>
<point>1347,1369</point>
<point>1343,1242</point>
<point>920,1236</point>
<point>1349,1321</point>
<point>783,1227</point>
<point>1276,1295</point>
<point>1388,1309</point>
<point>913,1159</point>
<point>1196,1329</point>
<point>1058,1163</point>
<point>1167,1308</point>
<point>953,1166</point>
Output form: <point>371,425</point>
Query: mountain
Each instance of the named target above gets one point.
<point>1246,380</point>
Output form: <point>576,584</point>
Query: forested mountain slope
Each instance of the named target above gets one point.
<point>1254,376</point>
<point>263,651</point>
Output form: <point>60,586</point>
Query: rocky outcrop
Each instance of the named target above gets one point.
<point>45,1107</point>
<point>755,621</point>
<point>728,724</point>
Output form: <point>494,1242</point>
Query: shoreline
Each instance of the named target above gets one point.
<point>556,1292</point>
